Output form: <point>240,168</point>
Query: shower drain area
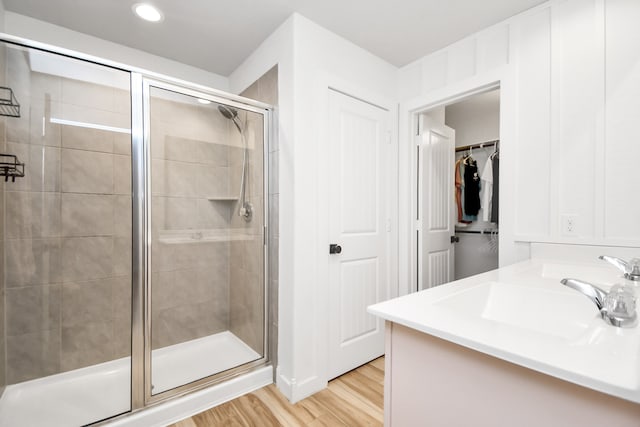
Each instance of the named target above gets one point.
<point>90,394</point>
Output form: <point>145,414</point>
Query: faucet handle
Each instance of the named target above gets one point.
<point>631,269</point>
<point>634,268</point>
<point>620,307</point>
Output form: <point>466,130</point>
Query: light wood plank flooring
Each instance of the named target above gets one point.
<point>353,399</point>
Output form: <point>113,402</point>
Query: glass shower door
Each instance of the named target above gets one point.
<point>206,298</point>
<point>65,242</point>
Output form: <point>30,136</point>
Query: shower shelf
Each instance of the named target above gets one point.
<point>8,103</point>
<point>174,237</point>
<point>222,198</point>
<point>11,167</point>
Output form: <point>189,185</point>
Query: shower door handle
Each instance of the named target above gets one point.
<point>334,248</point>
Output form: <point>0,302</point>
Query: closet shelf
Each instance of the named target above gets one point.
<point>478,145</point>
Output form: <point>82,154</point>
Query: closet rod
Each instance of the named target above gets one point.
<point>478,145</point>
<point>477,231</point>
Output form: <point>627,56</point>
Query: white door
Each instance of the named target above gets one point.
<point>359,144</point>
<point>435,225</point>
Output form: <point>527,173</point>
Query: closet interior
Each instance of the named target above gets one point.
<point>476,121</point>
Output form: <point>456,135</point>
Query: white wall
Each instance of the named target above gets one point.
<point>569,71</point>
<point>310,60</point>
<point>44,32</point>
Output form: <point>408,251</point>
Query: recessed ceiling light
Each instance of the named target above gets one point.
<point>148,12</point>
<point>204,101</point>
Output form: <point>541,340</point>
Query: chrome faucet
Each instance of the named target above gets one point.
<point>617,307</point>
<point>631,269</point>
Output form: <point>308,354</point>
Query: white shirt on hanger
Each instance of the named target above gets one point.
<point>487,177</point>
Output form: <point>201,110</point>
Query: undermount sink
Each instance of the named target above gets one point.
<point>557,313</point>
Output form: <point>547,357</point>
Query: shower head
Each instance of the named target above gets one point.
<point>229,112</point>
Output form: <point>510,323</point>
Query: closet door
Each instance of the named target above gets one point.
<point>436,148</point>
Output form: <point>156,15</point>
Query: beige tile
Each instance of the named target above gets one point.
<point>42,167</point>
<point>32,214</point>
<point>89,139</point>
<point>122,216</point>
<point>121,174</point>
<point>86,302</point>
<point>122,288</point>
<point>86,172</point>
<point>215,154</point>
<point>19,129</point>
<point>86,344</point>
<point>86,258</point>
<point>212,181</point>
<point>41,130</point>
<point>32,261</point>
<point>87,215</point>
<point>33,308</point>
<point>180,213</point>
<point>182,179</point>
<point>122,337</point>
<point>185,323</point>
<point>159,177</point>
<point>33,355</point>
<point>122,143</point>
<point>268,87</point>
<point>122,247</point>
<point>274,172</point>
<point>251,91</point>
<point>274,214</point>
<point>45,86</point>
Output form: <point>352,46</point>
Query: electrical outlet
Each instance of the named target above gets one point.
<point>569,224</point>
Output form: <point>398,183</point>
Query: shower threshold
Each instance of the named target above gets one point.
<point>90,394</point>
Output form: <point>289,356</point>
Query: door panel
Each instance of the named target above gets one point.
<point>435,219</point>
<point>359,147</point>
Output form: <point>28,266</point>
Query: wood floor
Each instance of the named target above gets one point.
<point>353,399</point>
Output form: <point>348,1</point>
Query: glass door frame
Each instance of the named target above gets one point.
<point>141,125</point>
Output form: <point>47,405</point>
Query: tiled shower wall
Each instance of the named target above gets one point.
<point>67,226</point>
<point>247,290</point>
<point>190,149</point>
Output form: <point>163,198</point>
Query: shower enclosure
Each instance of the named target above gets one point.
<point>133,244</point>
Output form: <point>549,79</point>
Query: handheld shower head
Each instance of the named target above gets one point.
<point>228,112</point>
<point>231,114</point>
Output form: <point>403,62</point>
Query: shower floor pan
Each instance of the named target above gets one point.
<point>100,391</point>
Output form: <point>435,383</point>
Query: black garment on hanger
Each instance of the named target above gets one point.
<point>496,189</point>
<point>471,188</point>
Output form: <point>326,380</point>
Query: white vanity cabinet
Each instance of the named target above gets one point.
<point>433,382</point>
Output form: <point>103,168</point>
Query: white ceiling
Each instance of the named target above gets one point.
<point>218,35</point>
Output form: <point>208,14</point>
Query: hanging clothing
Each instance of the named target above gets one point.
<point>471,187</point>
<point>496,190</point>
<point>458,189</point>
<point>487,187</point>
<point>466,217</point>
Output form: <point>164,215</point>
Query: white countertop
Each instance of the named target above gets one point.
<point>522,314</point>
